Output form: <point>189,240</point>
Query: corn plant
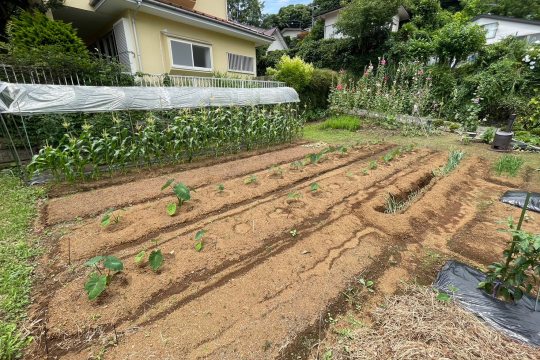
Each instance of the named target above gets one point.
<point>199,244</point>
<point>182,193</point>
<point>98,281</point>
<point>174,137</point>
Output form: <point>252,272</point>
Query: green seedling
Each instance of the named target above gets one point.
<point>97,281</point>
<point>342,150</point>
<point>182,193</point>
<point>315,158</point>
<point>293,232</point>
<point>349,174</point>
<point>252,179</point>
<point>220,188</point>
<point>314,187</point>
<point>276,171</point>
<point>372,165</point>
<point>388,157</point>
<point>295,195</point>
<point>109,217</point>
<point>297,165</point>
<point>156,259</point>
<point>199,244</point>
<point>365,172</point>
<point>368,284</point>
<point>139,258</point>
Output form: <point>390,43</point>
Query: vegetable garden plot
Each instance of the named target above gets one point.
<point>272,249</point>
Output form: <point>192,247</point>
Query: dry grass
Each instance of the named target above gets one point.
<point>415,325</point>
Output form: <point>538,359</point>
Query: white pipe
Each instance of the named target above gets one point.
<point>134,26</point>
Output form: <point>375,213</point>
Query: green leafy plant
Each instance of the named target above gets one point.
<point>454,159</point>
<point>182,193</point>
<point>365,172</point>
<point>488,135</point>
<point>276,171</point>
<point>220,188</point>
<point>372,165</point>
<point>509,165</point>
<point>297,165</point>
<point>156,259</point>
<point>139,258</point>
<point>293,232</point>
<point>315,158</point>
<point>252,179</point>
<point>109,217</point>
<point>520,271</point>
<point>343,122</point>
<point>199,244</point>
<point>368,284</point>
<point>314,187</point>
<point>295,195</point>
<point>97,281</point>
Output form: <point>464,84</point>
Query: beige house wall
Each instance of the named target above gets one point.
<point>153,34</point>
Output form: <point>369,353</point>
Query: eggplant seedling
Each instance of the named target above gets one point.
<point>182,193</point>
<point>252,179</point>
<point>199,244</point>
<point>220,188</point>
<point>314,187</point>
<point>98,281</point>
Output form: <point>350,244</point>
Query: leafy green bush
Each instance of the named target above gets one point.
<point>293,71</point>
<point>342,122</point>
<point>315,94</point>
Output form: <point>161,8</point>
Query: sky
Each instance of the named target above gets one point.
<point>273,6</point>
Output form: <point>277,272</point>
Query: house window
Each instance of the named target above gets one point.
<point>191,56</point>
<point>491,30</point>
<point>106,45</point>
<point>240,63</point>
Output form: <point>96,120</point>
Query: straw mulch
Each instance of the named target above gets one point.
<point>415,325</point>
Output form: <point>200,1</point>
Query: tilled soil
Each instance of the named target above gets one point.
<point>277,256</point>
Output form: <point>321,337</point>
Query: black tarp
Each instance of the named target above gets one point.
<point>518,320</point>
<point>517,198</point>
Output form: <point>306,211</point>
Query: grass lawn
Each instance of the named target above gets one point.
<point>444,141</point>
<point>17,250</point>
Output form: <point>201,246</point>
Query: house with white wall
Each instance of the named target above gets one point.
<point>500,27</point>
<point>279,42</point>
<point>291,32</point>
<point>331,17</point>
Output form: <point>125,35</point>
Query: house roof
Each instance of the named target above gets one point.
<point>291,29</point>
<point>181,10</point>
<point>507,18</point>
<point>402,12</point>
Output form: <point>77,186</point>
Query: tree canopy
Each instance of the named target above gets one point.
<point>526,9</point>
<point>245,11</point>
<point>362,18</point>
<point>293,16</point>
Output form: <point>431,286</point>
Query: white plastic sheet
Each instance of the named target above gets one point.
<point>28,99</point>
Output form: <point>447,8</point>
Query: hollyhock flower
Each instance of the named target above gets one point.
<point>339,87</point>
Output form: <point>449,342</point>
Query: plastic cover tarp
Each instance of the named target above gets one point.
<point>518,320</point>
<point>517,198</point>
<point>41,99</point>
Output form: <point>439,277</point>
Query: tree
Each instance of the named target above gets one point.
<point>245,11</point>
<point>8,8</point>
<point>361,19</point>
<point>526,9</point>
<point>295,16</point>
<point>457,40</point>
<point>323,6</point>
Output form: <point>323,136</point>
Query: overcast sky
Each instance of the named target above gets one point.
<point>273,6</point>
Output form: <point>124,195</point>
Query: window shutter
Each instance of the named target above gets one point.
<point>125,44</point>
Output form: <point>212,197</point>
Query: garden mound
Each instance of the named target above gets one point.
<point>278,255</point>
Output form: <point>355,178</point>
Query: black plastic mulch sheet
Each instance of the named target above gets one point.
<point>517,198</point>
<point>518,320</point>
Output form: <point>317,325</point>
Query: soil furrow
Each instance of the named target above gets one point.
<point>91,203</point>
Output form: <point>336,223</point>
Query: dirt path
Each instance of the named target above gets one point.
<point>278,257</point>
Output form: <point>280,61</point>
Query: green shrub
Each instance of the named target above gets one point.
<point>293,71</point>
<point>343,122</point>
<point>31,33</point>
<point>315,95</point>
<point>509,165</point>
